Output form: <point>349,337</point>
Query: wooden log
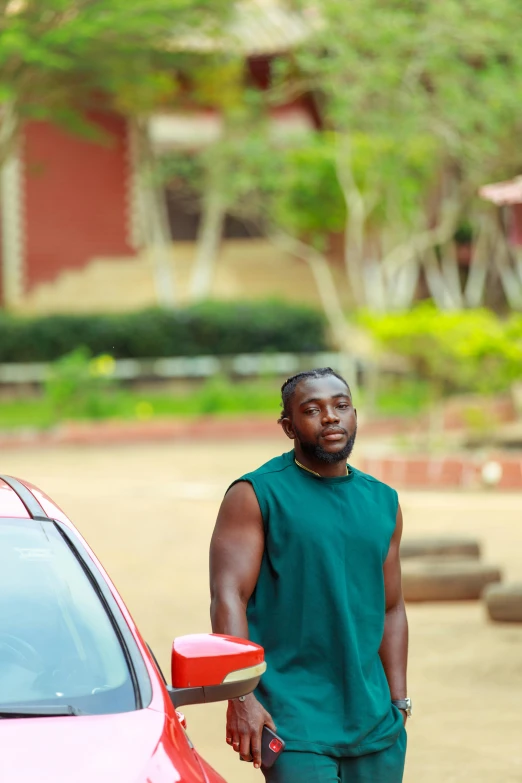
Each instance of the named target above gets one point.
<point>446,579</point>
<point>504,602</point>
<point>440,545</point>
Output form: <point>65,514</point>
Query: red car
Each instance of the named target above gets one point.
<point>81,696</point>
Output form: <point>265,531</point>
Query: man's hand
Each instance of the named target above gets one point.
<point>245,721</point>
<point>404,716</point>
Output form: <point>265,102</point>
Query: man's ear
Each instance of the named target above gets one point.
<point>286,424</point>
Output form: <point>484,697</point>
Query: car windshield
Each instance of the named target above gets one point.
<point>57,642</point>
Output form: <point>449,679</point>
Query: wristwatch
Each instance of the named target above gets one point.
<point>403,704</point>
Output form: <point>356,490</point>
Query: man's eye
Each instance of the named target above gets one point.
<point>343,405</point>
<point>311,410</point>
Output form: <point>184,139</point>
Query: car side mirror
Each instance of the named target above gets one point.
<point>211,667</point>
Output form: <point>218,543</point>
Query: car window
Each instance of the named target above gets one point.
<point>57,643</point>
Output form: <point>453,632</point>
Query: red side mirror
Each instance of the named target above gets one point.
<point>212,667</point>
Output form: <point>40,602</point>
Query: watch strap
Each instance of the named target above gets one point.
<point>403,704</point>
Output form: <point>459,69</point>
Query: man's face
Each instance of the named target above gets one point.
<point>323,419</point>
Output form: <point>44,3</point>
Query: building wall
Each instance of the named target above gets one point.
<point>76,198</point>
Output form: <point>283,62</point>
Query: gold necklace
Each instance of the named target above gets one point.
<point>313,471</point>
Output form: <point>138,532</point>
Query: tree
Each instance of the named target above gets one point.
<point>420,106</point>
<point>442,78</point>
<point>287,192</point>
<point>60,59</point>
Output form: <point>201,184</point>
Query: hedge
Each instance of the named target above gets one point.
<point>211,328</point>
<point>464,351</point>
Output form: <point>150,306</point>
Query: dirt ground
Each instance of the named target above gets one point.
<point>148,511</point>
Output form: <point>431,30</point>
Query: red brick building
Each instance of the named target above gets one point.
<point>67,200</point>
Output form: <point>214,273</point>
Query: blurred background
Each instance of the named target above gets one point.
<point>199,198</point>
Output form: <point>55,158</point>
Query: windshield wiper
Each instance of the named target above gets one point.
<point>39,711</point>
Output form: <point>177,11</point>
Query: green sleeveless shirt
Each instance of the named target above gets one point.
<point>318,608</point>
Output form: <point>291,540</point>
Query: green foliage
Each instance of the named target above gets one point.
<point>392,174</point>
<point>215,328</point>
<point>217,397</point>
<point>295,187</point>
<point>470,351</point>
<point>306,199</point>
<point>59,59</point>
<point>79,386</point>
<point>220,396</point>
<point>397,396</point>
<point>450,69</point>
<point>423,100</point>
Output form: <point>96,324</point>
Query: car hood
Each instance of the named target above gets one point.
<point>134,747</point>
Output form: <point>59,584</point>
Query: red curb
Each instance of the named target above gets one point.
<point>439,472</point>
<point>94,432</point>
<point>104,432</point>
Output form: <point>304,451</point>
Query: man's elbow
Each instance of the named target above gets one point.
<point>396,605</point>
<point>225,602</point>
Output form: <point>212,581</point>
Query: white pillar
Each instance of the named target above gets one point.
<point>135,217</point>
<point>12,232</point>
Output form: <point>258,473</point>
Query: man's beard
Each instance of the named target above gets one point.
<point>316,451</point>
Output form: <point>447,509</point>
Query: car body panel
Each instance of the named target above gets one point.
<point>133,746</point>
<point>143,746</point>
<point>10,503</point>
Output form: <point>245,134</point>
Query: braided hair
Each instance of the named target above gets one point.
<point>289,386</point>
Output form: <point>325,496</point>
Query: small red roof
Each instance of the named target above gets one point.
<point>501,193</point>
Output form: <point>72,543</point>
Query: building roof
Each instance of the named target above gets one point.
<point>266,27</point>
<point>257,27</point>
<point>503,193</point>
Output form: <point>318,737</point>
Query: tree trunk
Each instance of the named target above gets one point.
<point>478,268</point>
<point>329,296</point>
<point>356,211</point>
<point>435,280</point>
<point>375,294</point>
<point>401,291</point>
<point>154,218</point>
<point>161,248</point>
<point>450,273</point>
<point>208,242</point>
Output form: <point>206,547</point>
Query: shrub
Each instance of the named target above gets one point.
<point>215,328</point>
<point>465,351</point>
<point>79,386</point>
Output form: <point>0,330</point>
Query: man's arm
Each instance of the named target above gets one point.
<point>236,551</point>
<point>394,646</point>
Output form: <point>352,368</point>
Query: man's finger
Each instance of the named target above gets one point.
<point>235,741</point>
<point>269,722</point>
<point>244,746</point>
<point>255,749</point>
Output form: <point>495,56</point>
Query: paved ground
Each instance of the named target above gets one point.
<point>148,511</point>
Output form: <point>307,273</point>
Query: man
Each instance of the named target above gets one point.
<point>304,560</point>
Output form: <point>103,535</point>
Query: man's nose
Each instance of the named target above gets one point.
<point>330,414</point>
